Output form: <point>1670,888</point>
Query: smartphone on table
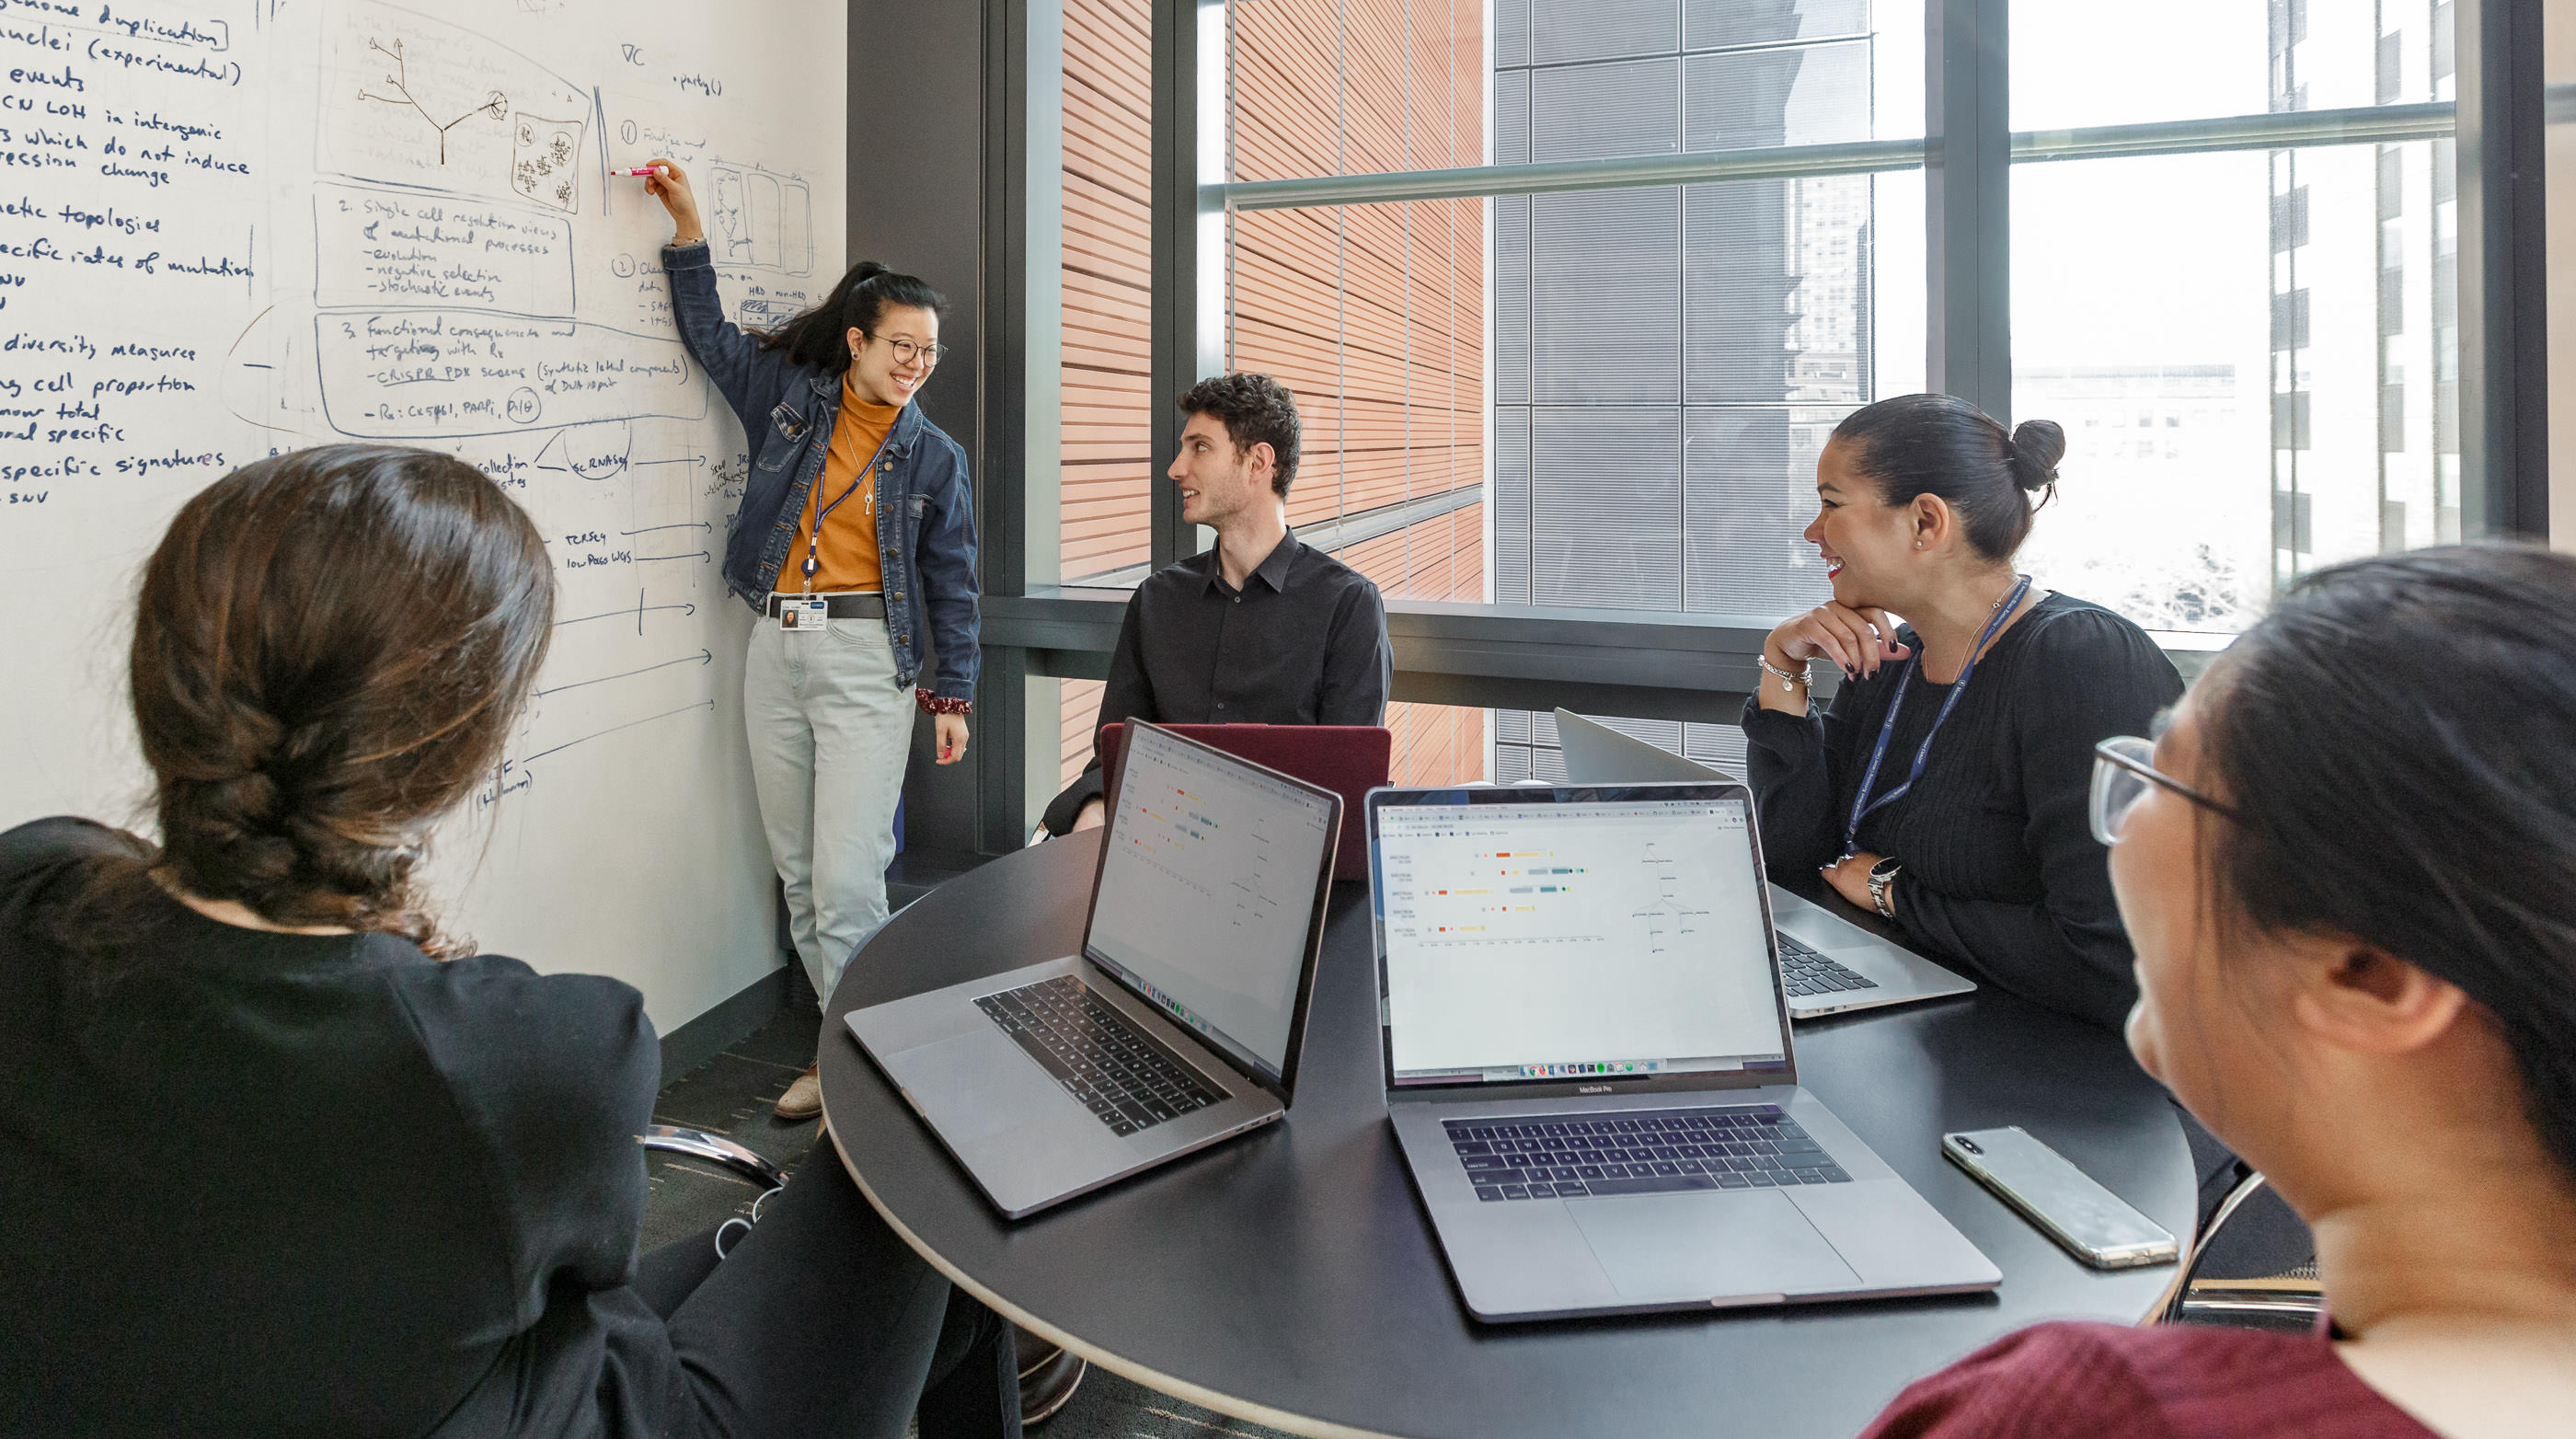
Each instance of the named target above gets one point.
<point>2087,1220</point>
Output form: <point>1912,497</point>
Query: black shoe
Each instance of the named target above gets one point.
<point>1048,1377</point>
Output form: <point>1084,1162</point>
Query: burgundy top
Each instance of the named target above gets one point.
<point>2175,1381</point>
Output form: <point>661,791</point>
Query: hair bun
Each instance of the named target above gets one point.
<point>2037,446</point>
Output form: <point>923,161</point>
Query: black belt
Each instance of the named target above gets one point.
<point>840,607</point>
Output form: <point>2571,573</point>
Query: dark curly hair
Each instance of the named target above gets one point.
<point>329,649</point>
<point>1257,410</point>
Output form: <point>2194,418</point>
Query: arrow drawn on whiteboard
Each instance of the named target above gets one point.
<point>702,657</point>
<point>685,610</point>
<point>676,460</point>
<point>612,729</point>
<point>646,559</point>
<point>684,525</point>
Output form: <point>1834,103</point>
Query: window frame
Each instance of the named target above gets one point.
<point>1677,665</point>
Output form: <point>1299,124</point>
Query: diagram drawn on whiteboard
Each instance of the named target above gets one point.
<point>544,163</point>
<point>761,219</point>
<point>409,99</point>
<point>495,106</point>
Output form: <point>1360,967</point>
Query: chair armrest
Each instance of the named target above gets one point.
<point>715,1149</point>
<point>2283,1301</point>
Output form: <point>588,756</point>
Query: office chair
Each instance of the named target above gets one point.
<point>714,1149</point>
<point>2289,1301</point>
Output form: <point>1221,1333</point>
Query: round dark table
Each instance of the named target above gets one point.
<point>1290,1277</point>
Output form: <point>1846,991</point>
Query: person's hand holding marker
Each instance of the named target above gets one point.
<point>670,185</point>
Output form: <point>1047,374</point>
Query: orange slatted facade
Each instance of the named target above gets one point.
<point>1108,269</point>
<point>1373,315</point>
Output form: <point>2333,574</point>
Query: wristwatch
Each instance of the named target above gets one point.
<point>1882,887</point>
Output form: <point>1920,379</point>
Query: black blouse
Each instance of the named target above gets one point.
<point>2002,874</point>
<point>277,1184</point>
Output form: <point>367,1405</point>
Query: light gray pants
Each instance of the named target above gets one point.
<point>829,736</point>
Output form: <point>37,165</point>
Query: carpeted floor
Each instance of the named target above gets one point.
<point>731,1094</point>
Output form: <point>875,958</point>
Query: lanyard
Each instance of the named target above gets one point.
<point>814,537</point>
<point>1862,805</point>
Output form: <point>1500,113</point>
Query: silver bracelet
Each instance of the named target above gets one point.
<point>1791,681</point>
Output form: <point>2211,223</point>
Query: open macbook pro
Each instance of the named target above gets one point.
<point>1180,1022</point>
<point>1588,1063</point>
<point>1831,965</point>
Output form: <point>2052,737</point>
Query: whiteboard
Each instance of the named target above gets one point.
<point>232,227</point>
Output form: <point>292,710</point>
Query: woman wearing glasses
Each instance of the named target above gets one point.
<point>855,542</point>
<point>1945,785</point>
<point>2349,868</point>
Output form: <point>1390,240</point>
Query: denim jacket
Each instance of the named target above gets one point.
<point>925,500</point>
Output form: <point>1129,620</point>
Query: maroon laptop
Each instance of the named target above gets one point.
<point>1350,759</point>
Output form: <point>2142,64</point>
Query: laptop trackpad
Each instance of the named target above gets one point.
<point>977,1084</point>
<point>1708,1246</point>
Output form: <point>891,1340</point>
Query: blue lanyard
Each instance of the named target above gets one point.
<point>1862,805</point>
<point>814,539</point>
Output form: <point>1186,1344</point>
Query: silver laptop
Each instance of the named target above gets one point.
<point>1588,1063</point>
<point>1831,964</point>
<point>1180,1022</point>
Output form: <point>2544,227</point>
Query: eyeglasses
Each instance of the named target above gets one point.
<point>908,353</point>
<point>2122,769</point>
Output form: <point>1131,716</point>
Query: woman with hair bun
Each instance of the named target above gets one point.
<point>855,543</point>
<point>267,1165</point>
<point>1945,786</point>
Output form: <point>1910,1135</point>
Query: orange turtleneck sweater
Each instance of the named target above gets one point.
<point>846,557</point>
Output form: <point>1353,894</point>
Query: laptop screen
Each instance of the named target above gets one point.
<point>1596,935</point>
<point>1209,880</point>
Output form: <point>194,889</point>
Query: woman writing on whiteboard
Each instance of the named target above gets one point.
<point>270,1168</point>
<point>856,543</point>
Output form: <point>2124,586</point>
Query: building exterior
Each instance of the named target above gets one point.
<point>2365,294</point>
<point>1668,361</point>
<point>1373,315</point>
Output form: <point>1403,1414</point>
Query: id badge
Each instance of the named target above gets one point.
<point>802,615</point>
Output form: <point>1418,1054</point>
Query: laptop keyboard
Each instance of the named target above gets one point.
<point>1807,972</point>
<point>1638,1152</point>
<point>1127,1079</point>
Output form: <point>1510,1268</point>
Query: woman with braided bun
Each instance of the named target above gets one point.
<point>1945,785</point>
<point>280,1156</point>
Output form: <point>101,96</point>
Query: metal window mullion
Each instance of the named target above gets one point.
<point>1968,203</point>
<point>1000,822</point>
<point>2503,270</point>
<point>2386,124</point>
<point>1187,324</point>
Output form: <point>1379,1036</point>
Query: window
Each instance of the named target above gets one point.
<point>2280,297</point>
<point>1571,293</point>
<point>1107,422</point>
<point>1643,398</point>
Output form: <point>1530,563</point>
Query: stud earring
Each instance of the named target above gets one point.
<point>1918,544</point>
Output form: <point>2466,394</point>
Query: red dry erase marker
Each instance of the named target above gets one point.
<point>647,170</point>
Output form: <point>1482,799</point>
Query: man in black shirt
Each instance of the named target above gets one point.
<point>1259,630</point>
